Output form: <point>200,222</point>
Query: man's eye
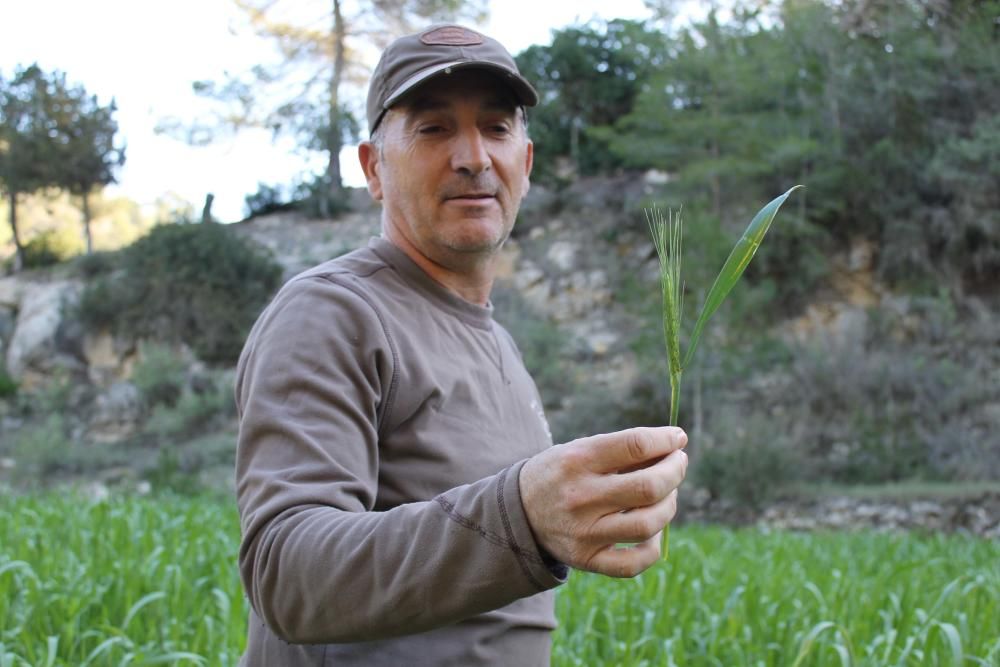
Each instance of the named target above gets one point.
<point>500,129</point>
<point>430,129</point>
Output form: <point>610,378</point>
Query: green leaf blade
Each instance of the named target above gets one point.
<point>735,265</point>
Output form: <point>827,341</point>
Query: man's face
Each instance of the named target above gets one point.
<point>452,169</point>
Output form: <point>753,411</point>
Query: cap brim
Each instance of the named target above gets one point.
<point>523,90</point>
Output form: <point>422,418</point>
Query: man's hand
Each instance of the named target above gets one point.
<point>587,496</point>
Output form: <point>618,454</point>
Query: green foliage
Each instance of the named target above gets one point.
<point>42,448</point>
<point>191,411</point>
<point>886,112</point>
<point>54,134</point>
<point>170,474</point>
<point>311,197</point>
<point>883,417</point>
<point>51,247</point>
<point>267,199</point>
<point>130,574</point>
<point>750,469</point>
<point>94,264</point>
<point>667,237</point>
<point>542,344</point>
<point>588,77</point>
<point>143,581</point>
<point>774,598</point>
<point>967,232</point>
<point>8,385</point>
<point>27,156</point>
<point>202,285</point>
<point>161,374</point>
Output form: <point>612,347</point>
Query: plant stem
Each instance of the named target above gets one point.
<point>675,396</point>
<point>675,405</point>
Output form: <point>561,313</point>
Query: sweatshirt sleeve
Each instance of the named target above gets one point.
<point>318,564</point>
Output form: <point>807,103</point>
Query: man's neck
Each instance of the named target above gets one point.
<point>471,281</point>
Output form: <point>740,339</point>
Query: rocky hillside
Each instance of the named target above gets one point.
<point>858,384</point>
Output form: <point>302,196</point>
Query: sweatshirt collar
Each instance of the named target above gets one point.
<point>471,313</point>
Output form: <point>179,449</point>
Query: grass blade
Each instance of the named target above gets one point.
<point>137,607</point>
<point>954,641</point>
<point>52,644</point>
<point>734,267</point>
<point>811,638</point>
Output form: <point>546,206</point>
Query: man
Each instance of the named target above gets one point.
<point>400,500</point>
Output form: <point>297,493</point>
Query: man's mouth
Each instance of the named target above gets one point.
<point>471,195</point>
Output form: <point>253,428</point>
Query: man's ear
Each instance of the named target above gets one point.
<point>529,161</point>
<point>368,155</point>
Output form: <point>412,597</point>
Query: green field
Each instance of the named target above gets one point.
<point>153,581</point>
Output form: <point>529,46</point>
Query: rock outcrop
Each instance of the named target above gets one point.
<point>43,340</point>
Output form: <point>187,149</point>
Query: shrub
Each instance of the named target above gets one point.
<point>542,343</point>
<point>267,199</point>
<point>192,410</point>
<point>160,374</point>
<point>312,198</point>
<point>201,285</point>
<point>95,264</point>
<point>43,447</point>
<point>51,247</point>
<point>8,385</point>
<point>748,470</point>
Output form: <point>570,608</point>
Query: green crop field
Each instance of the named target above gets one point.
<point>153,581</point>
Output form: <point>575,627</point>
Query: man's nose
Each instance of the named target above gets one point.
<point>469,154</point>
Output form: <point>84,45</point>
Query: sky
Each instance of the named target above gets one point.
<point>145,54</point>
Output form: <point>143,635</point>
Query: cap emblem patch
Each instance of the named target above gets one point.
<point>451,35</point>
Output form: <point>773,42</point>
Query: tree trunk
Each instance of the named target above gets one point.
<point>19,256</point>
<point>86,221</point>
<point>714,150</point>
<point>574,144</point>
<point>334,141</point>
<point>206,210</point>
<point>715,182</point>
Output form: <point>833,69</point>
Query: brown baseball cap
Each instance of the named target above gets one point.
<point>414,59</point>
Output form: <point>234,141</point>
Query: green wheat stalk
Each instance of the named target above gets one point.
<point>667,237</point>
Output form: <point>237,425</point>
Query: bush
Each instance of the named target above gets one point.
<point>8,385</point>
<point>43,447</point>
<point>190,412</point>
<point>95,264</point>
<point>201,285</point>
<point>748,467</point>
<point>267,199</point>
<point>51,247</point>
<point>160,375</point>
<point>542,343</point>
<point>312,198</point>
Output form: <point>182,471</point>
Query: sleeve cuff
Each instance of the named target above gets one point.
<point>544,571</point>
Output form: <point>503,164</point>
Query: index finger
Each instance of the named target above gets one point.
<point>613,452</point>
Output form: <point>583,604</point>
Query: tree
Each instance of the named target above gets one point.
<point>27,157</point>
<point>318,55</point>
<point>587,78</point>
<point>87,142</point>
<point>53,135</point>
